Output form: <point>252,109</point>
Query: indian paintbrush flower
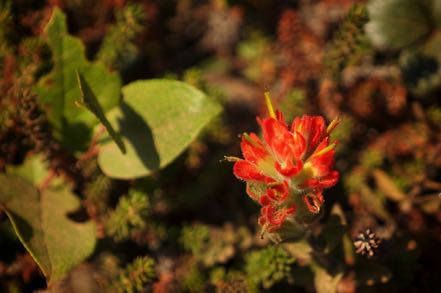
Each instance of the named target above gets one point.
<point>287,171</point>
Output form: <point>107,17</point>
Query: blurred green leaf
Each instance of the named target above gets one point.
<point>375,203</point>
<point>325,282</point>
<point>299,250</point>
<point>387,186</point>
<point>58,90</point>
<point>413,26</point>
<point>429,204</point>
<point>395,24</point>
<point>157,121</point>
<point>40,219</point>
<point>89,99</point>
<point>33,169</point>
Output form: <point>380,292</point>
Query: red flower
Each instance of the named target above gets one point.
<point>272,218</point>
<point>288,167</point>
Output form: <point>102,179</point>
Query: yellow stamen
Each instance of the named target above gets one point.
<point>333,124</point>
<point>325,150</point>
<point>232,159</point>
<point>250,140</point>
<point>269,105</point>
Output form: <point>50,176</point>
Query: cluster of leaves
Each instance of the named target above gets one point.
<point>124,173</point>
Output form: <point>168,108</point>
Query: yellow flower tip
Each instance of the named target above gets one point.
<point>325,150</point>
<point>269,105</point>
<point>231,159</point>
<point>334,123</point>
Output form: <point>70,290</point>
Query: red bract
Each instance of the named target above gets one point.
<point>289,167</point>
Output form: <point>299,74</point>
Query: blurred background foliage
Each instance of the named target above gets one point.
<point>191,227</point>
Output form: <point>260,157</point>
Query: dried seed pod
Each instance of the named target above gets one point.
<point>367,243</point>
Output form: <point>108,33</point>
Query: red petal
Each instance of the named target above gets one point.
<point>247,171</point>
<point>280,118</point>
<point>330,180</point>
<point>312,128</point>
<point>264,200</point>
<point>288,169</point>
<point>278,192</point>
<point>311,183</point>
<point>313,202</point>
<point>253,151</point>
<point>277,217</point>
<point>278,138</point>
<point>299,144</point>
<point>322,164</point>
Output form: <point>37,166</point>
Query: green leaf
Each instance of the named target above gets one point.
<point>300,250</point>
<point>89,99</point>
<point>325,282</point>
<point>33,169</point>
<point>387,186</point>
<point>58,90</point>
<point>395,24</point>
<point>157,120</point>
<point>41,222</point>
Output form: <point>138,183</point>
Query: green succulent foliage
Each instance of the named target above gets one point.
<point>293,104</point>
<point>212,245</point>
<point>135,276</point>
<point>231,281</point>
<point>194,280</point>
<point>40,220</point>
<point>118,48</point>
<point>59,91</point>
<point>253,50</point>
<point>97,191</point>
<point>195,238</point>
<point>6,25</point>
<point>350,45</point>
<point>434,114</point>
<point>371,158</point>
<point>411,26</point>
<point>268,266</point>
<point>130,214</point>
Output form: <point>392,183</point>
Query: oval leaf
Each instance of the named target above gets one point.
<point>395,24</point>
<point>40,219</point>
<point>157,120</point>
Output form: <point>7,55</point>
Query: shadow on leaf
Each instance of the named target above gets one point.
<point>139,134</point>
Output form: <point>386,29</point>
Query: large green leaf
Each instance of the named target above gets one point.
<point>157,120</point>
<point>41,222</point>
<point>59,90</point>
<point>395,24</point>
